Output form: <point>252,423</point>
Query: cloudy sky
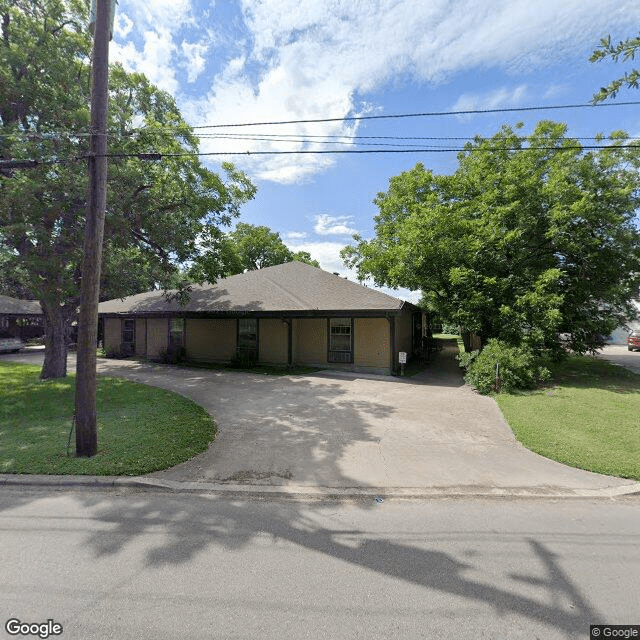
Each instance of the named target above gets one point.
<point>256,61</point>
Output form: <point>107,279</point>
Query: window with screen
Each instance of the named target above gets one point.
<point>176,332</point>
<point>248,336</point>
<point>128,332</point>
<point>340,340</point>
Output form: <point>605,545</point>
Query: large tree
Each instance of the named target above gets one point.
<point>161,199</point>
<point>531,237</point>
<point>622,51</point>
<point>247,248</point>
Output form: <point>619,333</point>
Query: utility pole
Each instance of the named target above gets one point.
<point>85,409</point>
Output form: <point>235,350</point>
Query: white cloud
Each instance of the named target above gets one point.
<point>313,58</point>
<point>333,225</point>
<point>161,14</point>
<point>194,58</point>
<point>495,99</point>
<point>155,23</point>
<point>328,255</point>
<point>123,25</point>
<point>294,235</point>
<point>294,60</point>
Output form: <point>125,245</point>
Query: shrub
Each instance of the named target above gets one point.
<point>465,358</point>
<point>503,368</point>
<point>244,359</point>
<point>171,355</point>
<point>451,329</point>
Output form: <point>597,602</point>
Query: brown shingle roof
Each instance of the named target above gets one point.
<point>290,287</point>
<point>15,307</point>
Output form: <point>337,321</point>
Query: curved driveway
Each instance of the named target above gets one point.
<point>348,430</point>
<point>620,355</point>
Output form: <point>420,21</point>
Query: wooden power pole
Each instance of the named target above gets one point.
<point>85,409</point>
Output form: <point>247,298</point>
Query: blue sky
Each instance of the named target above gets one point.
<point>246,61</point>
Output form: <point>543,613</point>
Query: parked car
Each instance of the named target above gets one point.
<point>633,341</point>
<point>9,344</point>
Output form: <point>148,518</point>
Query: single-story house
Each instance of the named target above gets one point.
<point>288,314</point>
<point>21,318</point>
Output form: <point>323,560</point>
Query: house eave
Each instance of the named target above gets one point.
<point>310,313</point>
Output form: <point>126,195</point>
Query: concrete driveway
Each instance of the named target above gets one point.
<point>619,354</point>
<point>347,430</point>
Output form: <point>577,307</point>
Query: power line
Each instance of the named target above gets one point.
<point>427,114</point>
<point>355,140</point>
<point>47,135</point>
<point>10,164</point>
<point>303,137</point>
<point>369,151</point>
<point>156,156</point>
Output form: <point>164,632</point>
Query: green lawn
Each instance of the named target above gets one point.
<point>140,428</point>
<point>587,417</point>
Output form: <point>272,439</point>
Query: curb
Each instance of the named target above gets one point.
<point>310,492</point>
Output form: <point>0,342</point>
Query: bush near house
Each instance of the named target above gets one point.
<point>503,368</point>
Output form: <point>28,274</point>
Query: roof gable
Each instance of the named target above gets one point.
<point>289,287</point>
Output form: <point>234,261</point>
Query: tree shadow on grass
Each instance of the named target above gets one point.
<point>588,372</point>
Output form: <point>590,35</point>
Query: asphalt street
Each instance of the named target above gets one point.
<point>154,565</point>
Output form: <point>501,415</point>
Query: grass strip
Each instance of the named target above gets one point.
<point>586,417</point>
<point>140,428</point>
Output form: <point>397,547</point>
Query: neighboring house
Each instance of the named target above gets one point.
<point>619,336</point>
<point>289,314</point>
<point>21,318</point>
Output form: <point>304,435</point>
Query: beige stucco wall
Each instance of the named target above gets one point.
<point>272,341</point>
<point>404,329</point>
<point>157,336</point>
<point>112,334</point>
<point>210,340</point>
<point>141,336</point>
<point>372,338</point>
<point>310,340</point>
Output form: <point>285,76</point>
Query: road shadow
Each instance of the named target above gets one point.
<point>547,596</point>
<point>276,430</point>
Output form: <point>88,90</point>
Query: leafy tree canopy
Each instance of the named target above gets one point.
<point>156,210</point>
<point>625,51</point>
<point>530,238</point>
<point>246,248</point>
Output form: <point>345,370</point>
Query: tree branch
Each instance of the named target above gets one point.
<point>154,245</point>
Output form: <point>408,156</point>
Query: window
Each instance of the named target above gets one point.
<point>340,340</point>
<point>176,332</point>
<point>128,331</point>
<point>128,336</point>
<point>248,334</point>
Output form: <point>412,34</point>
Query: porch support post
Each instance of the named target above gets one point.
<point>289,323</point>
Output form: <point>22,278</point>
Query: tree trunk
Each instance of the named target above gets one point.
<point>55,342</point>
